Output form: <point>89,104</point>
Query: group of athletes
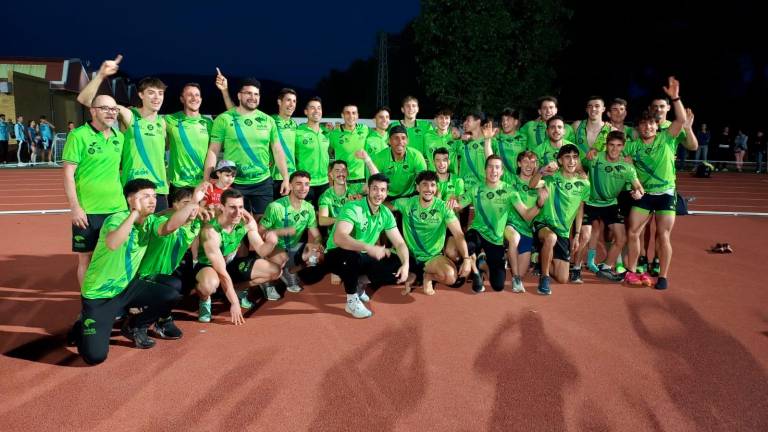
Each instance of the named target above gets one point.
<point>248,199</point>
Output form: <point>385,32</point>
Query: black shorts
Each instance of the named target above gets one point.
<point>256,196</point>
<point>625,202</point>
<point>239,269</point>
<point>609,215</point>
<point>562,249</point>
<point>660,204</point>
<point>416,267</point>
<point>84,240</point>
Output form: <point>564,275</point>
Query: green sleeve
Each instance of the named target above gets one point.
<point>273,138</point>
<point>389,219</point>
<point>312,221</point>
<point>270,218</point>
<point>219,129</point>
<point>72,149</point>
<point>400,204</point>
<point>459,187</point>
<point>325,201</point>
<point>347,214</point>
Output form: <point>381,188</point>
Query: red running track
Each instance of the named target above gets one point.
<point>592,357</point>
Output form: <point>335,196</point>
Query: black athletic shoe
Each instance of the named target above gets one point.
<point>661,284</point>
<point>654,268</point>
<point>166,329</point>
<point>460,281</point>
<point>477,283</point>
<point>576,276</point>
<point>608,274</point>
<point>138,335</point>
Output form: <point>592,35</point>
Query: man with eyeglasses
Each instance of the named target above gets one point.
<point>249,138</point>
<point>91,159</point>
<point>144,150</point>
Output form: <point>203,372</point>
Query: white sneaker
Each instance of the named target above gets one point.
<point>517,285</point>
<point>270,292</point>
<point>357,309</point>
<point>291,282</point>
<point>361,284</point>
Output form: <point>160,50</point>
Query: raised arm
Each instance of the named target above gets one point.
<point>117,237</point>
<point>223,85</point>
<point>672,89</point>
<point>181,217</point>
<point>91,90</point>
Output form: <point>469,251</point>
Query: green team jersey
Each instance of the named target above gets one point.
<point>453,186</point>
<point>535,133</point>
<point>424,227</point>
<point>366,226</point>
<point>472,161</point>
<point>402,174</point>
<point>655,162</point>
<point>415,133</point>
<point>110,271</point>
<point>312,154</point>
<point>607,179</point>
<point>508,147</point>
<point>582,142</point>
<point>376,142</point>
<point>433,141</point>
<point>492,208</point>
<point>680,137</point>
<point>97,176</point>
<point>547,153</point>
<point>188,139</point>
<point>281,214</point>
<point>247,141</point>
<point>334,202</point>
<point>528,196</point>
<point>144,152</point>
<point>286,134</point>
<point>230,241</point>
<point>565,196</point>
<point>164,253</point>
<point>345,143</point>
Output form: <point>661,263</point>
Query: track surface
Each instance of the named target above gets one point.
<point>592,357</point>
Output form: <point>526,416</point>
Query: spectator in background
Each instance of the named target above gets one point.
<point>34,140</point>
<point>3,139</point>
<point>70,127</point>
<point>20,132</point>
<point>703,135</point>
<point>46,139</point>
<point>740,148</point>
<point>722,151</point>
<point>760,150</point>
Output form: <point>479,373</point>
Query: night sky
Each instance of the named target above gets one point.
<point>297,42</point>
<point>718,52</point>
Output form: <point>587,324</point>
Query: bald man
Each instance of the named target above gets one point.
<point>92,177</point>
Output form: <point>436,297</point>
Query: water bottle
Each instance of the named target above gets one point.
<point>312,262</point>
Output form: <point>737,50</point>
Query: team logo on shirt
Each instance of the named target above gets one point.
<point>608,169</point>
<point>489,195</point>
<point>501,192</point>
<point>474,146</point>
<point>150,127</point>
<point>297,217</point>
<point>364,226</point>
<point>248,122</point>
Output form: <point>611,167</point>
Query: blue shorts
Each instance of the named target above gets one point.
<point>525,244</point>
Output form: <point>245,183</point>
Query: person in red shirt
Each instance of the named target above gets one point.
<point>222,178</point>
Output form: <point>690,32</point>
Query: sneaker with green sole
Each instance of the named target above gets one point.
<point>244,302</point>
<point>204,311</point>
